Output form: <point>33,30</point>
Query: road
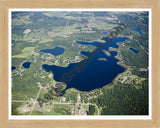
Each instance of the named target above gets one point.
<point>53,103</point>
<point>22,101</point>
<point>66,27</point>
<point>35,101</point>
<point>80,103</point>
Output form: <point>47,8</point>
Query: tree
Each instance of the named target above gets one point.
<point>91,110</point>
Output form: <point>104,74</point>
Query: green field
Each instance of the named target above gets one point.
<point>25,53</point>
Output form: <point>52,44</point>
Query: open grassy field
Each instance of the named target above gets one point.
<point>25,52</point>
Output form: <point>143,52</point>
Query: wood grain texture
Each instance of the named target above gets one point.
<point>6,4</point>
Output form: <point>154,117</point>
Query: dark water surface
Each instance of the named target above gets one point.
<point>134,50</point>
<point>96,73</point>
<point>55,51</point>
<point>13,68</point>
<point>26,64</point>
<point>138,30</point>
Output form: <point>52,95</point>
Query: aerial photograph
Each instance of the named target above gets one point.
<point>79,63</point>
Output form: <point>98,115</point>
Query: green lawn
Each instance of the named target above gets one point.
<point>86,107</point>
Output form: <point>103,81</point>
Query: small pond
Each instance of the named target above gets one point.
<point>13,68</point>
<point>26,64</point>
<point>138,30</point>
<point>134,50</point>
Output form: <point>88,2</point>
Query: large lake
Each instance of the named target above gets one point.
<point>100,71</point>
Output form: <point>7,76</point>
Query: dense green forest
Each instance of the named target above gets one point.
<point>92,110</point>
<point>124,99</point>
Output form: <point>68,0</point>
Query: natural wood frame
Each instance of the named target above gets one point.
<point>6,4</point>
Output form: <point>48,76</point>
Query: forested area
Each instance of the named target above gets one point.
<point>92,110</point>
<point>124,100</point>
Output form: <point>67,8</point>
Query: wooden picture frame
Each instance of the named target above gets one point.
<point>4,54</point>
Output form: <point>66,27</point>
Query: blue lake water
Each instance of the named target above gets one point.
<point>134,50</point>
<point>26,64</point>
<point>105,32</point>
<point>138,30</point>
<point>55,51</point>
<point>13,68</point>
<point>91,73</point>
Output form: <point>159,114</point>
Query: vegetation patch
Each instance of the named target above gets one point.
<point>25,52</point>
